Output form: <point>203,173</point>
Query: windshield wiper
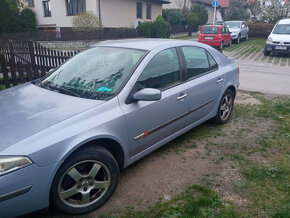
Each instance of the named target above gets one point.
<point>63,90</point>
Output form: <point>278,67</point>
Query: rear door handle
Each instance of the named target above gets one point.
<point>182,97</point>
<point>220,80</point>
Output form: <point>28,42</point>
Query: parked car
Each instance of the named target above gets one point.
<point>279,39</point>
<point>215,35</point>
<point>239,30</point>
<point>65,137</point>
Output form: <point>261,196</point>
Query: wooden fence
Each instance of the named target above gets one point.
<point>27,60</point>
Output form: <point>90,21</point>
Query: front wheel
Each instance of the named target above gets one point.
<point>238,39</point>
<point>247,37</point>
<point>266,53</point>
<point>220,48</point>
<point>225,108</point>
<point>85,181</point>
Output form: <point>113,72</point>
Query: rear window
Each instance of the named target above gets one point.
<point>210,30</point>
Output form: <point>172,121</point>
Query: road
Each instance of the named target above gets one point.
<point>264,77</point>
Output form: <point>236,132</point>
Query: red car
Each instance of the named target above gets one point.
<point>215,35</point>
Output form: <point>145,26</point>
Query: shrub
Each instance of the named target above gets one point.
<point>236,11</point>
<point>260,30</point>
<point>87,21</point>
<point>193,22</point>
<point>157,29</point>
<point>28,21</point>
<point>145,29</point>
<point>172,16</point>
<point>201,12</point>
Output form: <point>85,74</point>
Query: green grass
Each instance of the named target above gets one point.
<point>197,201</point>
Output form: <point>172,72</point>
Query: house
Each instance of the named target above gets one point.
<point>179,4</point>
<point>55,14</point>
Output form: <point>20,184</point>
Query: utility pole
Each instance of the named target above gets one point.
<point>215,4</point>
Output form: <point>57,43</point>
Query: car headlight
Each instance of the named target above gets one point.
<point>269,40</point>
<point>12,163</point>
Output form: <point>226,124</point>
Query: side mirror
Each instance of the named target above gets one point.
<point>147,94</point>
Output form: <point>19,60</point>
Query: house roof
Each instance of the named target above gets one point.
<point>161,1</point>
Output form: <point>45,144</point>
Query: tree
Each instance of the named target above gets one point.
<point>160,28</point>
<point>201,13</point>
<point>9,16</point>
<point>236,11</point>
<point>172,16</point>
<point>28,21</point>
<point>255,8</point>
<point>87,21</point>
<point>193,22</point>
<point>14,18</point>
<point>275,10</point>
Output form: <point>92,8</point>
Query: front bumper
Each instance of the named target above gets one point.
<point>25,190</point>
<point>234,36</point>
<point>278,48</point>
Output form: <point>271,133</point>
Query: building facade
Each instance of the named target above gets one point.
<point>55,14</point>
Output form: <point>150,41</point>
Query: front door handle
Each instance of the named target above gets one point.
<point>220,80</point>
<point>182,97</point>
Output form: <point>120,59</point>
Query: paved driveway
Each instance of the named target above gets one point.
<point>259,73</point>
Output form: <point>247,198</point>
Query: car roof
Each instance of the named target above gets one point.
<point>284,21</point>
<point>213,25</point>
<point>144,44</point>
<point>234,21</point>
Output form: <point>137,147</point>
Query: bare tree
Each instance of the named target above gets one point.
<point>87,21</point>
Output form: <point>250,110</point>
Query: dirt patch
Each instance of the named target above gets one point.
<point>246,98</point>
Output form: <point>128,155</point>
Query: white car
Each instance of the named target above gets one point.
<point>239,30</point>
<point>279,39</point>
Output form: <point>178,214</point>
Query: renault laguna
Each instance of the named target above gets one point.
<point>65,137</point>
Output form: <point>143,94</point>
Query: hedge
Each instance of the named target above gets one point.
<point>260,30</point>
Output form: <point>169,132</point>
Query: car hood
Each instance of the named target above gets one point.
<point>233,30</point>
<point>27,109</point>
<point>280,37</point>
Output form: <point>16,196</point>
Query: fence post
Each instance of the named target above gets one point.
<point>5,71</point>
<point>11,50</point>
<point>32,55</point>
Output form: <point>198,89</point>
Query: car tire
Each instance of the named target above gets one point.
<point>85,181</point>
<point>238,39</point>
<point>220,48</point>
<point>230,43</point>
<point>225,108</point>
<point>266,53</point>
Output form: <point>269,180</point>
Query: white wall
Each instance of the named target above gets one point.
<point>114,13</point>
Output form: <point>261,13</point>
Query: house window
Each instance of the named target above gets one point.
<point>148,11</point>
<point>46,8</point>
<point>139,10</point>
<point>75,6</point>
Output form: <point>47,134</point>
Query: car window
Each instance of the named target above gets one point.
<point>227,30</point>
<point>163,71</point>
<point>196,61</point>
<point>210,30</point>
<point>212,63</point>
<point>223,31</point>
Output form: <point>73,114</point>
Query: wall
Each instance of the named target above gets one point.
<point>114,13</point>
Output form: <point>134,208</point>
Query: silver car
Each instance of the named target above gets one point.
<point>65,137</point>
<point>239,30</point>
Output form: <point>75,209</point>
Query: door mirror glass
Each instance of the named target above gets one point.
<point>147,94</point>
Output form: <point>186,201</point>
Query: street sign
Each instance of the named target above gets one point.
<point>215,3</point>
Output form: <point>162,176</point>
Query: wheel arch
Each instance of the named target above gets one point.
<point>233,89</point>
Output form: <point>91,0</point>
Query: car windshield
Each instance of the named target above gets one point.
<point>282,29</point>
<point>210,30</point>
<point>96,73</point>
<point>233,25</point>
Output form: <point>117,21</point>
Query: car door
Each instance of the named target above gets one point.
<point>228,34</point>
<point>244,30</point>
<point>149,122</point>
<point>224,36</point>
<point>205,82</point>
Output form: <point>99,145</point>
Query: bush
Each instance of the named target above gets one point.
<point>236,11</point>
<point>172,16</point>
<point>28,21</point>
<point>87,21</point>
<point>260,30</point>
<point>145,29</point>
<point>193,22</point>
<point>201,12</point>
<point>157,29</point>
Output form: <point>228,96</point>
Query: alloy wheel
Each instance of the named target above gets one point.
<point>226,107</point>
<point>84,183</point>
